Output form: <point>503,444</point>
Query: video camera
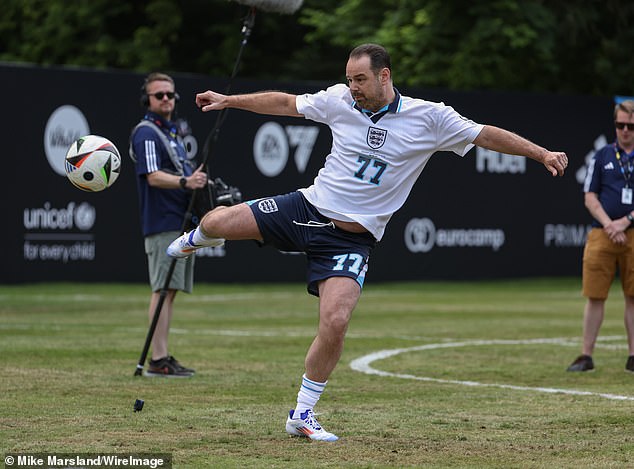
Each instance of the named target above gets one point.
<point>224,194</point>
<point>216,193</point>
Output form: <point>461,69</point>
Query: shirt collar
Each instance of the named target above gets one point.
<point>166,126</point>
<point>392,107</point>
<point>618,148</point>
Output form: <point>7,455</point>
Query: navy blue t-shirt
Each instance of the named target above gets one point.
<point>607,176</point>
<point>161,209</point>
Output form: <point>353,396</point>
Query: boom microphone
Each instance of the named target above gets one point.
<point>286,7</point>
<point>277,6</point>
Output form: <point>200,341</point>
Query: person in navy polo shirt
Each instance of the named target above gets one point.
<point>165,180</point>
<point>608,190</point>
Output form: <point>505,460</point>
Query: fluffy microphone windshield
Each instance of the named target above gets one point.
<point>287,7</point>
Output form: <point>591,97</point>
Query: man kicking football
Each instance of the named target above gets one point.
<point>381,141</point>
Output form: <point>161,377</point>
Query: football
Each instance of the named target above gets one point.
<point>92,163</point>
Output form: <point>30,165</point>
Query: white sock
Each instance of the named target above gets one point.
<point>308,395</point>
<point>199,239</point>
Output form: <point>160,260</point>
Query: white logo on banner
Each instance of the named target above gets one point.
<point>272,142</point>
<point>49,218</point>
<point>191,146</point>
<point>490,161</point>
<point>48,236</point>
<point>599,143</point>
<point>561,236</point>
<point>270,149</point>
<point>85,216</point>
<point>421,235</point>
<point>65,125</point>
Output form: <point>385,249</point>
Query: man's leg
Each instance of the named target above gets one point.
<point>592,319</point>
<point>160,337</point>
<point>629,328</point>
<point>162,363</point>
<point>338,297</point>
<point>627,279</point>
<point>629,322</point>
<point>231,223</point>
<point>599,266</point>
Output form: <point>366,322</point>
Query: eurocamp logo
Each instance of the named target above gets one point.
<point>421,235</point>
<point>65,125</point>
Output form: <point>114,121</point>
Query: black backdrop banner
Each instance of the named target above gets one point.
<point>485,215</point>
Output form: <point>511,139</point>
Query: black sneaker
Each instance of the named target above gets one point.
<point>176,363</point>
<point>583,363</point>
<point>168,367</point>
<point>629,366</point>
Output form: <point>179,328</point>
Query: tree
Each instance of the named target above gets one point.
<point>578,46</point>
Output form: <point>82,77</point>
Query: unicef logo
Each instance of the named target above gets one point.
<point>85,215</point>
<point>270,149</point>
<point>66,124</point>
<point>420,235</point>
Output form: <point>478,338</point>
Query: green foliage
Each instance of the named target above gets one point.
<point>93,33</point>
<point>577,46</point>
<point>502,44</point>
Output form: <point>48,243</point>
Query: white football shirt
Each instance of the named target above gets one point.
<point>372,167</point>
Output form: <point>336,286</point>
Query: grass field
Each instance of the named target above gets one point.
<point>464,375</point>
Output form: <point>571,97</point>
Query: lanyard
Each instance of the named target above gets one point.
<point>626,171</point>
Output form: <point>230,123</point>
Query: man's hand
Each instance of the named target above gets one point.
<point>556,162</point>
<point>210,101</point>
<point>198,179</point>
<point>616,230</point>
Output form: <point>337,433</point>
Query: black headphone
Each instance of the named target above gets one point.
<point>145,98</point>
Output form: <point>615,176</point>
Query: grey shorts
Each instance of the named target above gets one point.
<point>159,264</point>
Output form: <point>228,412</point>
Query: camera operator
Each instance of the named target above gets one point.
<point>165,180</point>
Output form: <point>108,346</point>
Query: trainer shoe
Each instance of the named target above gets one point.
<point>168,367</point>
<point>183,246</point>
<point>629,366</point>
<point>307,425</point>
<point>582,363</point>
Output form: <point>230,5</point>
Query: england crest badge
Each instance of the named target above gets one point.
<point>376,137</point>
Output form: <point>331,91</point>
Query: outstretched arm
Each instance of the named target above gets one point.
<point>503,141</point>
<point>266,102</point>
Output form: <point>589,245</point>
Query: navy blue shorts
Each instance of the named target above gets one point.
<point>290,223</point>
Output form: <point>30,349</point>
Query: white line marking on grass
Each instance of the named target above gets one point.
<point>306,333</point>
<point>363,364</point>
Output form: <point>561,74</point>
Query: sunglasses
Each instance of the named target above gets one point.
<point>622,125</point>
<point>170,95</point>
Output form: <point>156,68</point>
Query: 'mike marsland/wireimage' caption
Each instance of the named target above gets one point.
<point>84,460</point>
